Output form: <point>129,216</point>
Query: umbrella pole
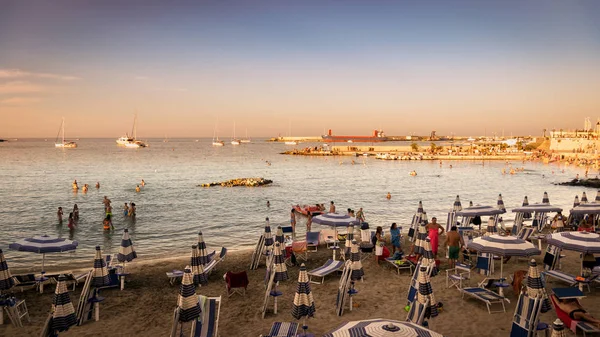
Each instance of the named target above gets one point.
<point>335,237</point>
<point>122,276</point>
<point>43,272</point>
<point>304,326</point>
<point>581,273</point>
<point>500,288</point>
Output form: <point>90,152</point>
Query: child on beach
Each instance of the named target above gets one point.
<point>395,234</point>
<point>455,242</point>
<point>59,214</point>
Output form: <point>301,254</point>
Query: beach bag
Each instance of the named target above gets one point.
<point>379,248</point>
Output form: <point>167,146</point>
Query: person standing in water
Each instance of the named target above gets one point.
<point>125,209</point>
<point>106,203</point>
<point>268,204</point>
<point>97,185</point>
<point>71,224</point>
<point>132,210</point>
<point>75,186</point>
<point>388,196</point>
<point>360,215</point>
<point>60,215</point>
<point>143,183</point>
<point>75,213</point>
<point>137,188</point>
<point>85,188</point>
<point>434,234</point>
<point>331,207</point>
<point>293,220</point>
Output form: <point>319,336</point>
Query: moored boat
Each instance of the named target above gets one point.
<point>305,209</point>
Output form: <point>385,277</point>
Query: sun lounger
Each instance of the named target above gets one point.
<point>416,314</point>
<point>572,324</point>
<point>570,279</point>
<point>213,263</point>
<point>208,322</point>
<point>174,276</point>
<point>329,267</point>
<point>24,282</point>
<point>312,240</point>
<point>402,264</point>
<point>526,317</point>
<point>487,296</point>
<point>283,329</point>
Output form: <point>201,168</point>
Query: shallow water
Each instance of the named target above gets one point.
<point>35,179</point>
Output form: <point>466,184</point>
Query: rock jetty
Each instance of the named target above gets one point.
<point>248,182</point>
<point>592,182</point>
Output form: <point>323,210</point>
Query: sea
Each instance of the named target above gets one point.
<point>36,177</point>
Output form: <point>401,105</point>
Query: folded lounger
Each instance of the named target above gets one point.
<point>175,274</point>
<point>487,296</point>
<point>571,323</point>
<point>526,317</point>
<point>570,279</point>
<point>329,267</point>
<point>208,322</point>
<point>283,329</point>
<point>312,240</point>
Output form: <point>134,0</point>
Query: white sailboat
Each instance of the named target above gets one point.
<point>61,136</point>
<point>234,141</point>
<point>216,141</point>
<point>245,140</point>
<point>131,142</point>
<point>290,142</point>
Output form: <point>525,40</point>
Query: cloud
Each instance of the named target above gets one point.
<point>20,87</point>
<point>18,73</point>
<point>14,101</point>
<point>142,78</point>
<point>171,89</point>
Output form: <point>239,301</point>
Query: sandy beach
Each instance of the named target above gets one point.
<point>146,305</point>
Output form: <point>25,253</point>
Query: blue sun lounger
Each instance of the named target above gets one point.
<point>416,314</point>
<point>208,322</point>
<point>283,329</point>
<point>526,317</point>
<point>329,267</point>
<point>486,296</point>
<point>570,279</point>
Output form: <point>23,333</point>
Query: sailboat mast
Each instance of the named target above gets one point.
<point>63,130</point>
<point>134,129</point>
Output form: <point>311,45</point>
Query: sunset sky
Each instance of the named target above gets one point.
<point>408,67</point>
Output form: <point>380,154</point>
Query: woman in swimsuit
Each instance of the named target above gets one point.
<point>434,234</point>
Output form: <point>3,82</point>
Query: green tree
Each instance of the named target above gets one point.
<point>415,147</point>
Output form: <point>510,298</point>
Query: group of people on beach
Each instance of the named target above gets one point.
<point>73,217</point>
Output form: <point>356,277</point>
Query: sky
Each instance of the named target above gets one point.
<point>190,68</point>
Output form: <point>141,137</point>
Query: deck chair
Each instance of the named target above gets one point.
<point>213,263</point>
<point>461,272</point>
<point>572,324</point>
<point>174,276</point>
<point>525,233</point>
<point>283,329</point>
<point>416,314</point>
<point>236,283</point>
<point>551,258</point>
<point>299,248</point>
<point>485,264</point>
<point>402,264</point>
<point>329,267</point>
<point>568,278</point>
<point>24,282</point>
<point>208,322</point>
<point>312,240</point>
<point>486,296</point>
<point>526,317</point>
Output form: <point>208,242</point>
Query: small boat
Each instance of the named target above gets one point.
<point>291,142</point>
<point>305,209</point>
<point>234,141</point>
<point>245,140</point>
<point>131,142</point>
<point>216,141</point>
<point>62,143</point>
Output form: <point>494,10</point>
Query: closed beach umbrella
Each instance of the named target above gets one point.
<point>545,199</point>
<point>491,227</point>
<point>100,276</point>
<point>279,267</point>
<point>126,251</point>
<point>44,244</point>
<point>304,303</point>
<point>380,327</point>
<point>6,280</point>
<point>597,197</point>
<point>584,199</point>
<point>202,255</point>
<point>268,236</point>
<point>356,269</point>
<point>535,287</point>
<point>500,203</point>
<point>471,203</point>
<point>428,260</point>
<point>63,312</point>
<point>503,246</point>
<point>425,294</point>
<point>189,308</point>
<point>198,274</point>
<point>420,210</point>
<point>457,205</point>
<point>279,235</point>
<point>576,202</point>
<point>420,241</point>
<point>558,329</point>
<point>526,215</point>
<point>349,239</point>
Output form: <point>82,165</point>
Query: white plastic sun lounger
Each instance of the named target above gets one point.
<point>329,267</point>
<point>486,296</point>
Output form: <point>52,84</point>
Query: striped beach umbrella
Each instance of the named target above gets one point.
<point>126,251</point>
<point>597,200</point>
<point>535,286</point>
<point>545,199</point>
<point>526,215</point>
<point>503,246</point>
<point>279,267</point>
<point>584,199</point>
<point>100,276</point>
<point>268,236</point>
<point>471,203</point>
<point>558,329</point>
<point>420,241</point>
<point>198,274</point>
<point>279,237</point>
<point>500,203</point>
<point>457,205</point>
<point>425,294</point>
<point>187,302</point>
<point>202,255</point>
<point>420,210</point>
<point>491,227</point>
<point>379,327</point>
<point>44,244</point>
<point>6,280</point>
<point>582,242</point>
<point>356,268</point>
<point>63,312</point>
<point>349,239</point>
<point>428,259</point>
<point>304,303</point>
<point>576,202</point>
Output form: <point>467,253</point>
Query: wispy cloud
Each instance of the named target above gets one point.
<point>142,78</point>
<point>18,101</point>
<point>171,89</point>
<point>20,87</point>
<point>18,73</point>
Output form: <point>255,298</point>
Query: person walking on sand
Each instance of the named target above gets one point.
<point>434,234</point>
<point>60,215</point>
<point>293,220</point>
<point>331,207</point>
<point>455,242</point>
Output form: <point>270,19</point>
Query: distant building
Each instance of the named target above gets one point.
<point>586,140</point>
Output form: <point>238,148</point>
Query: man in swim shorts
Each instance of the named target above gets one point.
<point>575,310</point>
<point>455,242</point>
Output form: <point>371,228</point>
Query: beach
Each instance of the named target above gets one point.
<point>145,307</point>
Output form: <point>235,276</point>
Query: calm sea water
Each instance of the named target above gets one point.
<point>35,179</point>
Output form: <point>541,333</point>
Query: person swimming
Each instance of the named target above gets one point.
<point>97,185</point>
<point>85,188</point>
<point>75,186</point>
<point>413,173</point>
<point>143,183</point>
<point>388,196</point>
<point>137,188</point>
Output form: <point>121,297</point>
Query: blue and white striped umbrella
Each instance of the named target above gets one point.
<point>503,246</point>
<point>268,236</point>
<point>420,208</point>
<point>576,202</point>
<point>425,294</point>
<point>540,208</point>
<point>349,239</point>
<point>597,200</point>
<point>356,268</point>
<point>126,251</point>
<point>545,199</point>
<point>558,329</point>
<point>526,215</point>
<point>420,241</point>
<point>6,280</point>
<point>457,205</point>
<point>199,275</point>
<point>189,307</point>
<point>584,199</point>
<point>582,242</point>
<point>63,312</point>
<point>428,259</point>
<point>202,255</point>
<point>500,204</point>
<point>279,237</point>
<point>535,286</point>
<point>479,210</point>
<point>44,244</point>
<point>304,303</point>
<point>491,227</point>
<point>279,267</point>
<point>590,208</point>
<point>335,220</point>
<point>100,276</point>
<point>379,327</point>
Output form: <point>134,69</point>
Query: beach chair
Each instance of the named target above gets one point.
<point>299,248</point>
<point>526,317</point>
<point>208,322</point>
<point>16,310</point>
<point>208,268</point>
<point>114,279</point>
<point>174,276</point>
<point>461,272</point>
<point>416,313</point>
<point>551,258</point>
<point>312,240</point>
<point>329,267</point>
<point>486,296</point>
<point>402,264</point>
<point>485,264</point>
<point>236,283</point>
<point>283,329</point>
<point>571,323</point>
<point>24,282</point>
<point>570,279</point>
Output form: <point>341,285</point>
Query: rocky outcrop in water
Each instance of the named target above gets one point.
<point>592,182</point>
<point>247,182</point>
